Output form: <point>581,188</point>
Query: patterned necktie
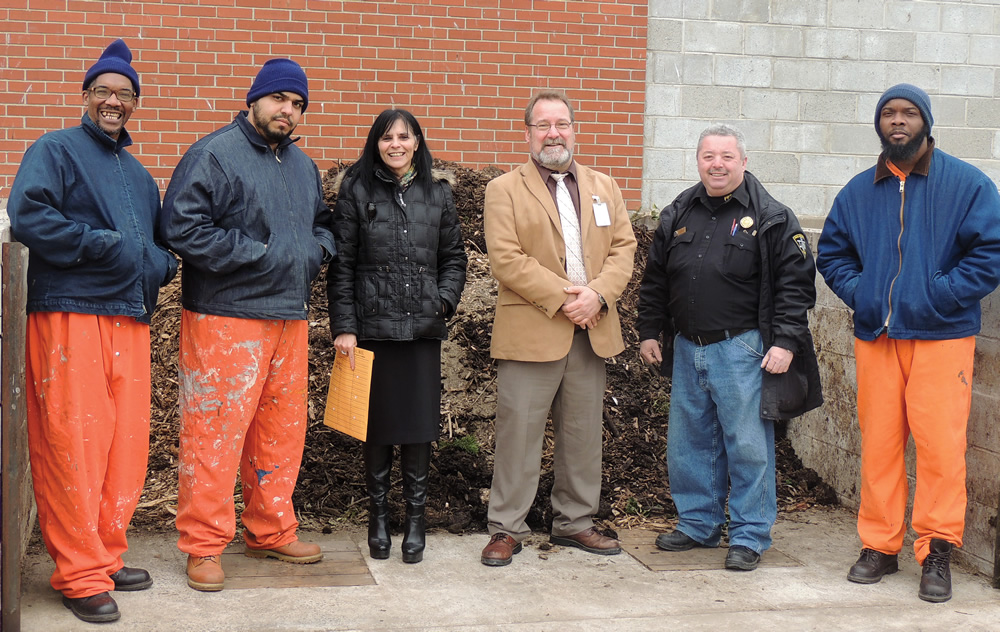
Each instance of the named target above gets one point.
<point>571,232</point>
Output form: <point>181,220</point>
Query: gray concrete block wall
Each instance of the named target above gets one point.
<point>802,80</point>
<point>828,439</point>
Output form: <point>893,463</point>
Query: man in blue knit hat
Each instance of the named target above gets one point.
<point>911,246</point>
<point>88,212</point>
<point>245,211</point>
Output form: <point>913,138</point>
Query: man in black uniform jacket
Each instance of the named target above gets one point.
<point>728,282</point>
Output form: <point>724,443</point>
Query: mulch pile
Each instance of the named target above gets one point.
<point>331,491</point>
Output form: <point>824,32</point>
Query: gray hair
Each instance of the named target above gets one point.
<point>721,129</point>
<point>547,95</point>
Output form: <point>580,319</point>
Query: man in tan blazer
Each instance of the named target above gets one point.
<point>561,245</point>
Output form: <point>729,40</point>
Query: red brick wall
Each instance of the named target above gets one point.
<point>465,68</point>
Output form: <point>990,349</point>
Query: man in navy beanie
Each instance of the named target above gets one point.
<point>911,246</point>
<point>245,211</point>
<point>89,213</point>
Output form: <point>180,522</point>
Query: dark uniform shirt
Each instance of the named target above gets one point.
<point>713,265</point>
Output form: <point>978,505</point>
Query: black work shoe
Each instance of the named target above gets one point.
<point>676,541</point>
<point>871,566</point>
<point>935,581</point>
<point>99,608</point>
<point>131,579</point>
<point>741,558</point>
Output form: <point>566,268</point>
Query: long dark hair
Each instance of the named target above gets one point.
<point>371,160</point>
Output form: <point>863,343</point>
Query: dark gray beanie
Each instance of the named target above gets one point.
<point>911,93</point>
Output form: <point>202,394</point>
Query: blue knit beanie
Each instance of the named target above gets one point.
<point>280,75</point>
<point>911,93</point>
<point>116,58</point>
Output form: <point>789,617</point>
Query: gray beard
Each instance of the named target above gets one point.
<point>550,162</point>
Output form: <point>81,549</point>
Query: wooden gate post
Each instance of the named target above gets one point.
<point>15,497</point>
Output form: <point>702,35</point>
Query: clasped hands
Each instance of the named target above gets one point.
<point>582,306</point>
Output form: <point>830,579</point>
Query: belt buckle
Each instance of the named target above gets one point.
<point>700,341</point>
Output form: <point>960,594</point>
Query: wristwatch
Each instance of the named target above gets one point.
<point>600,298</point>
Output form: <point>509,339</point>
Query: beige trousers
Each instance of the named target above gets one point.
<point>573,389</point>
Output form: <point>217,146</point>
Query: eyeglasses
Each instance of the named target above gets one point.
<point>124,95</point>
<point>545,126</point>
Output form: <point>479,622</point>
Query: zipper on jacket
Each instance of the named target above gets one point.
<point>899,248</point>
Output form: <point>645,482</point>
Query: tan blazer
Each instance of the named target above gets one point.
<point>528,258</point>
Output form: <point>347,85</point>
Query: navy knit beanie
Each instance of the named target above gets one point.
<point>911,93</point>
<point>280,75</point>
<point>116,58</point>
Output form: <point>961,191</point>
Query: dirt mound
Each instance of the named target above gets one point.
<point>331,489</point>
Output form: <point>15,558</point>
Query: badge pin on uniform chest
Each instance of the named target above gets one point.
<point>746,222</point>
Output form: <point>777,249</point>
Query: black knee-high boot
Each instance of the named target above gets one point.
<point>378,464</point>
<point>415,459</point>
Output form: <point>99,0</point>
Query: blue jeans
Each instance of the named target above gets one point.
<point>716,432</point>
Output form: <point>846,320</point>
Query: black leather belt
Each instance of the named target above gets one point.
<point>711,337</point>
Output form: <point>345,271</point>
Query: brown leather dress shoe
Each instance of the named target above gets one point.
<point>296,552</point>
<point>590,541</point>
<point>205,573</point>
<point>500,549</point>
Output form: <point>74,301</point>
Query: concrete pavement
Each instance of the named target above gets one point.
<point>803,588</point>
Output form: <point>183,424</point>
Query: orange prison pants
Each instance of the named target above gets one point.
<point>923,387</point>
<point>243,397</point>
<point>88,438</point>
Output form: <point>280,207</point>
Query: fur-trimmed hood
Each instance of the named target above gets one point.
<point>437,175</point>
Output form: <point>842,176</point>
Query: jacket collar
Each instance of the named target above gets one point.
<point>922,168</point>
<point>124,140</point>
<point>741,193</point>
<point>545,172</point>
<point>254,136</point>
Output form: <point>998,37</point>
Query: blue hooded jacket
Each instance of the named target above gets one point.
<point>914,261</point>
<point>88,212</point>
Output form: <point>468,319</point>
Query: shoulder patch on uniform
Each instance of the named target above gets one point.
<point>801,244</point>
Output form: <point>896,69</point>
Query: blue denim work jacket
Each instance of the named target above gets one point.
<point>913,261</point>
<point>249,223</point>
<point>88,211</point>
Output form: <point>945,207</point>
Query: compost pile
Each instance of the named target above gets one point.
<point>331,492</point>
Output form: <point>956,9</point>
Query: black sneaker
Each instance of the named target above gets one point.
<point>935,580</point>
<point>871,566</point>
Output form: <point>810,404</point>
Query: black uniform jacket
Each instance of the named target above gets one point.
<point>787,292</point>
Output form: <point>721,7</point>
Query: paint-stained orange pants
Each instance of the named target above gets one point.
<point>88,437</point>
<point>923,387</point>
<point>243,397</point>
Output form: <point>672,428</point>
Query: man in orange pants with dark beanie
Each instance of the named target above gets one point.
<point>88,211</point>
<point>245,211</point>
<point>912,245</point>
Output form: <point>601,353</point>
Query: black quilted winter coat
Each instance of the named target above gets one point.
<point>400,266</point>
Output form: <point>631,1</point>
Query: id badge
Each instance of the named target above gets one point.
<point>601,216</point>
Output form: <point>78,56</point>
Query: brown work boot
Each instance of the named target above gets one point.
<point>295,552</point>
<point>205,573</point>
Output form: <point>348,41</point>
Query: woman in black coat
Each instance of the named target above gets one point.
<point>398,276</point>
